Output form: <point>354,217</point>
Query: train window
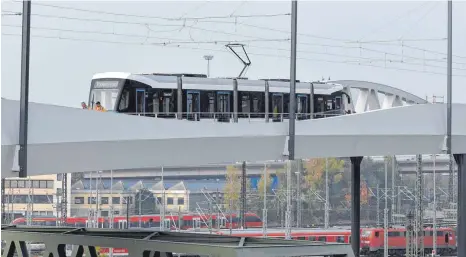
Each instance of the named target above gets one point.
<point>322,239</point>
<point>252,219</point>
<point>245,103</point>
<point>447,238</point>
<point>377,234</point>
<point>340,239</point>
<point>124,100</point>
<point>439,233</point>
<point>312,238</point>
<point>301,238</point>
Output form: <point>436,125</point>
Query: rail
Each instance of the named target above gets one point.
<point>231,117</point>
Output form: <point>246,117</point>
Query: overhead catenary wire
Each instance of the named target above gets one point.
<point>176,41</point>
<point>181,18</point>
<point>206,20</point>
<point>224,51</point>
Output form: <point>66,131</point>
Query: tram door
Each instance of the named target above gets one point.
<point>277,106</point>
<point>140,101</point>
<point>193,105</point>
<point>223,106</point>
<point>301,107</point>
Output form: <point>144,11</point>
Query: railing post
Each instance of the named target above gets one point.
<point>235,100</point>
<point>266,101</point>
<point>179,97</point>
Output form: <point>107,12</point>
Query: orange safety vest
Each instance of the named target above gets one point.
<point>100,109</point>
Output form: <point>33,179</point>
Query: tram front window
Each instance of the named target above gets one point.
<point>106,97</point>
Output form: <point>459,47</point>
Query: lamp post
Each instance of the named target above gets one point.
<point>208,58</point>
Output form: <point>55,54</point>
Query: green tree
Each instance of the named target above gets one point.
<point>232,188</point>
<point>315,171</point>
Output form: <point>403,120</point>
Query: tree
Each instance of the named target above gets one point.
<point>315,171</point>
<point>232,188</point>
<point>260,185</point>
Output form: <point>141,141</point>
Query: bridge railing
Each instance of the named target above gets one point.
<point>241,117</point>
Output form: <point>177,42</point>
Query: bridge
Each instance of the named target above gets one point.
<point>60,138</point>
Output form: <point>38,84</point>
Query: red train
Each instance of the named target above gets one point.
<point>372,239</point>
<point>188,221</point>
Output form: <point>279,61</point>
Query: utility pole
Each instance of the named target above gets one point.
<point>110,223</point>
<point>208,58</point>
<point>64,198</point>
<point>327,197</point>
<point>393,188</point>
<point>291,141</point>
<point>434,222</point>
<point>298,195</point>
<point>410,238</point>
<point>419,224</point>
<point>243,196</point>
<point>139,211</point>
<point>378,205</point>
<point>162,220</point>
<point>3,201</point>
<point>449,98</point>
<point>264,211</point>
<point>385,212</point>
<point>24,98</point>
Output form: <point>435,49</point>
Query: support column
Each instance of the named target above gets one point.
<point>355,203</point>
<point>235,100</point>
<point>179,98</point>
<point>461,211</point>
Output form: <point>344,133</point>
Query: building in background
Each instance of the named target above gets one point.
<point>127,197</point>
<point>43,193</point>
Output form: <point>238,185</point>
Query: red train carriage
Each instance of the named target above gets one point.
<point>372,241</point>
<point>188,221</point>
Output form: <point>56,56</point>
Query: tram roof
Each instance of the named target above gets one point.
<point>201,83</point>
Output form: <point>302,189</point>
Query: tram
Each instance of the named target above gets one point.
<point>196,97</point>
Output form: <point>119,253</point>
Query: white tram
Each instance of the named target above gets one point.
<point>196,97</point>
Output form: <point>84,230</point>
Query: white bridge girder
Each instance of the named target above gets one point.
<point>63,139</point>
<point>368,96</point>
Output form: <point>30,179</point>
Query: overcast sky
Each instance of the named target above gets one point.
<point>69,46</point>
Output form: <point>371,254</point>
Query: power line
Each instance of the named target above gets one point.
<point>224,51</point>
<point>173,41</point>
<point>161,17</point>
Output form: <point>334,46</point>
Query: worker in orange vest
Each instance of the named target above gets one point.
<point>99,107</point>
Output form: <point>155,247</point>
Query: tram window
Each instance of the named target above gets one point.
<point>338,102</point>
<point>124,100</point>
<point>330,104</point>
<point>211,97</point>
<point>245,103</point>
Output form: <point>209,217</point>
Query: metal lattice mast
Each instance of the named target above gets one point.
<point>3,202</point>
<point>243,195</point>
<point>410,238</point>
<point>298,194</point>
<point>419,226</point>
<point>30,204</point>
<point>394,210</point>
<point>264,211</point>
<point>162,220</point>
<point>288,221</point>
<point>434,221</point>
<point>327,197</point>
<point>378,205</point>
<point>385,212</point>
<point>64,199</point>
